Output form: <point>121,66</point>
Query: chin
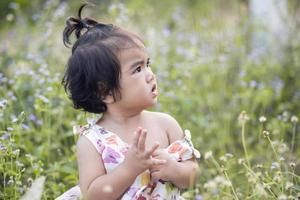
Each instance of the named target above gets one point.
<point>153,103</point>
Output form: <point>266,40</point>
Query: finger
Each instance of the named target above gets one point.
<point>136,138</point>
<point>154,168</point>
<point>152,149</point>
<point>156,153</point>
<point>141,143</point>
<point>158,161</point>
<point>139,129</point>
<point>154,176</point>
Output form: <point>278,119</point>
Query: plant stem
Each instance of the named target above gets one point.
<point>244,143</point>
<point>273,148</point>
<point>293,138</point>
<point>257,178</point>
<point>224,172</point>
<point>231,186</point>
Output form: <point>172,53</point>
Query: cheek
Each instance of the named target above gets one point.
<point>128,88</point>
<point>132,86</point>
<point>135,83</point>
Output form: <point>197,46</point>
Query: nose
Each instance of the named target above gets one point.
<point>150,76</point>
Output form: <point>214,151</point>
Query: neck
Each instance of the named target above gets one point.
<point>118,116</point>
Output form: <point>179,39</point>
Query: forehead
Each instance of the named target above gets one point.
<point>130,55</point>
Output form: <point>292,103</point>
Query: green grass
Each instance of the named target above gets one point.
<point>207,74</point>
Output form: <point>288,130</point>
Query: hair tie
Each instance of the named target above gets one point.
<point>83,24</point>
<point>76,24</point>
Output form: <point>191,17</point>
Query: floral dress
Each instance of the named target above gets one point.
<point>113,151</point>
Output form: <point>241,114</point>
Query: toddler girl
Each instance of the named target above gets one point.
<point>127,153</point>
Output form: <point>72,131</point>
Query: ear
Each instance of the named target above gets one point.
<point>109,99</point>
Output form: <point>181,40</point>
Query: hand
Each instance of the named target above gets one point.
<point>164,171</point>
<point>138,159</point>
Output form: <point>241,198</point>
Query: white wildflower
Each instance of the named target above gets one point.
<point>241,161</point>
<point>285,116</point>
<point>29,180</point>
<point>294,119</point>
<point>258,174</point>
<point>229,155</point>
<point>262,119</point>
<point>19,164</point>
<point>223,158</point>
<point>282,148</point>
<point>292,164</point>
<point>220,180</point>
<point>208,155</point>
<point>251,177</point>
<point>259,166</point>
<point>3,104</point>
<point>288,185</point>
<point>243,117</point>
<point>281,159</point>
<point>210,185</point>
<point>277,178</point>
<point>10,181</point>
<point>282,197</point>
<point>266,133</point>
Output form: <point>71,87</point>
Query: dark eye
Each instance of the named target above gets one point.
<point>138,69</point>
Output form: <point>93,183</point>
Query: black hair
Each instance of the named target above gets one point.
<point>93,70</point>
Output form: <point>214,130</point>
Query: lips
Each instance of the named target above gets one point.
<point>154,90</point>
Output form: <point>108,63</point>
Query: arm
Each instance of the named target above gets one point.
<point>185,171</point>
<point>186,174</point>
<point>94,182</point>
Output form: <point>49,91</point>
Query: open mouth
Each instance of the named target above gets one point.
<point>154,91</point>
<point>153,88</point>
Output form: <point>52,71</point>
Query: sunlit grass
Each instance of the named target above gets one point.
<point>206,77</point>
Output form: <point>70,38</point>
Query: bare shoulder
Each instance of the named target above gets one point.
<point>84,147</point>
<point>89,162</point>
<point>169,123</point>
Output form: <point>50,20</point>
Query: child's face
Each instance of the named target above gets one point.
<point>138,83</point>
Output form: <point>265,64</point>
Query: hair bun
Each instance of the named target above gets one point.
<point>77,25</point>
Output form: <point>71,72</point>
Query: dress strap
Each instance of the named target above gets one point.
<point>183,149</point>
<point>94,135</point>
<point>82,129</point>
<point>188,137</point>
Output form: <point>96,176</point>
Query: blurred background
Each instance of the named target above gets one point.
<point>213,60</point>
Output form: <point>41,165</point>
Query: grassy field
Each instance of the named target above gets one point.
<point>240,102</point>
